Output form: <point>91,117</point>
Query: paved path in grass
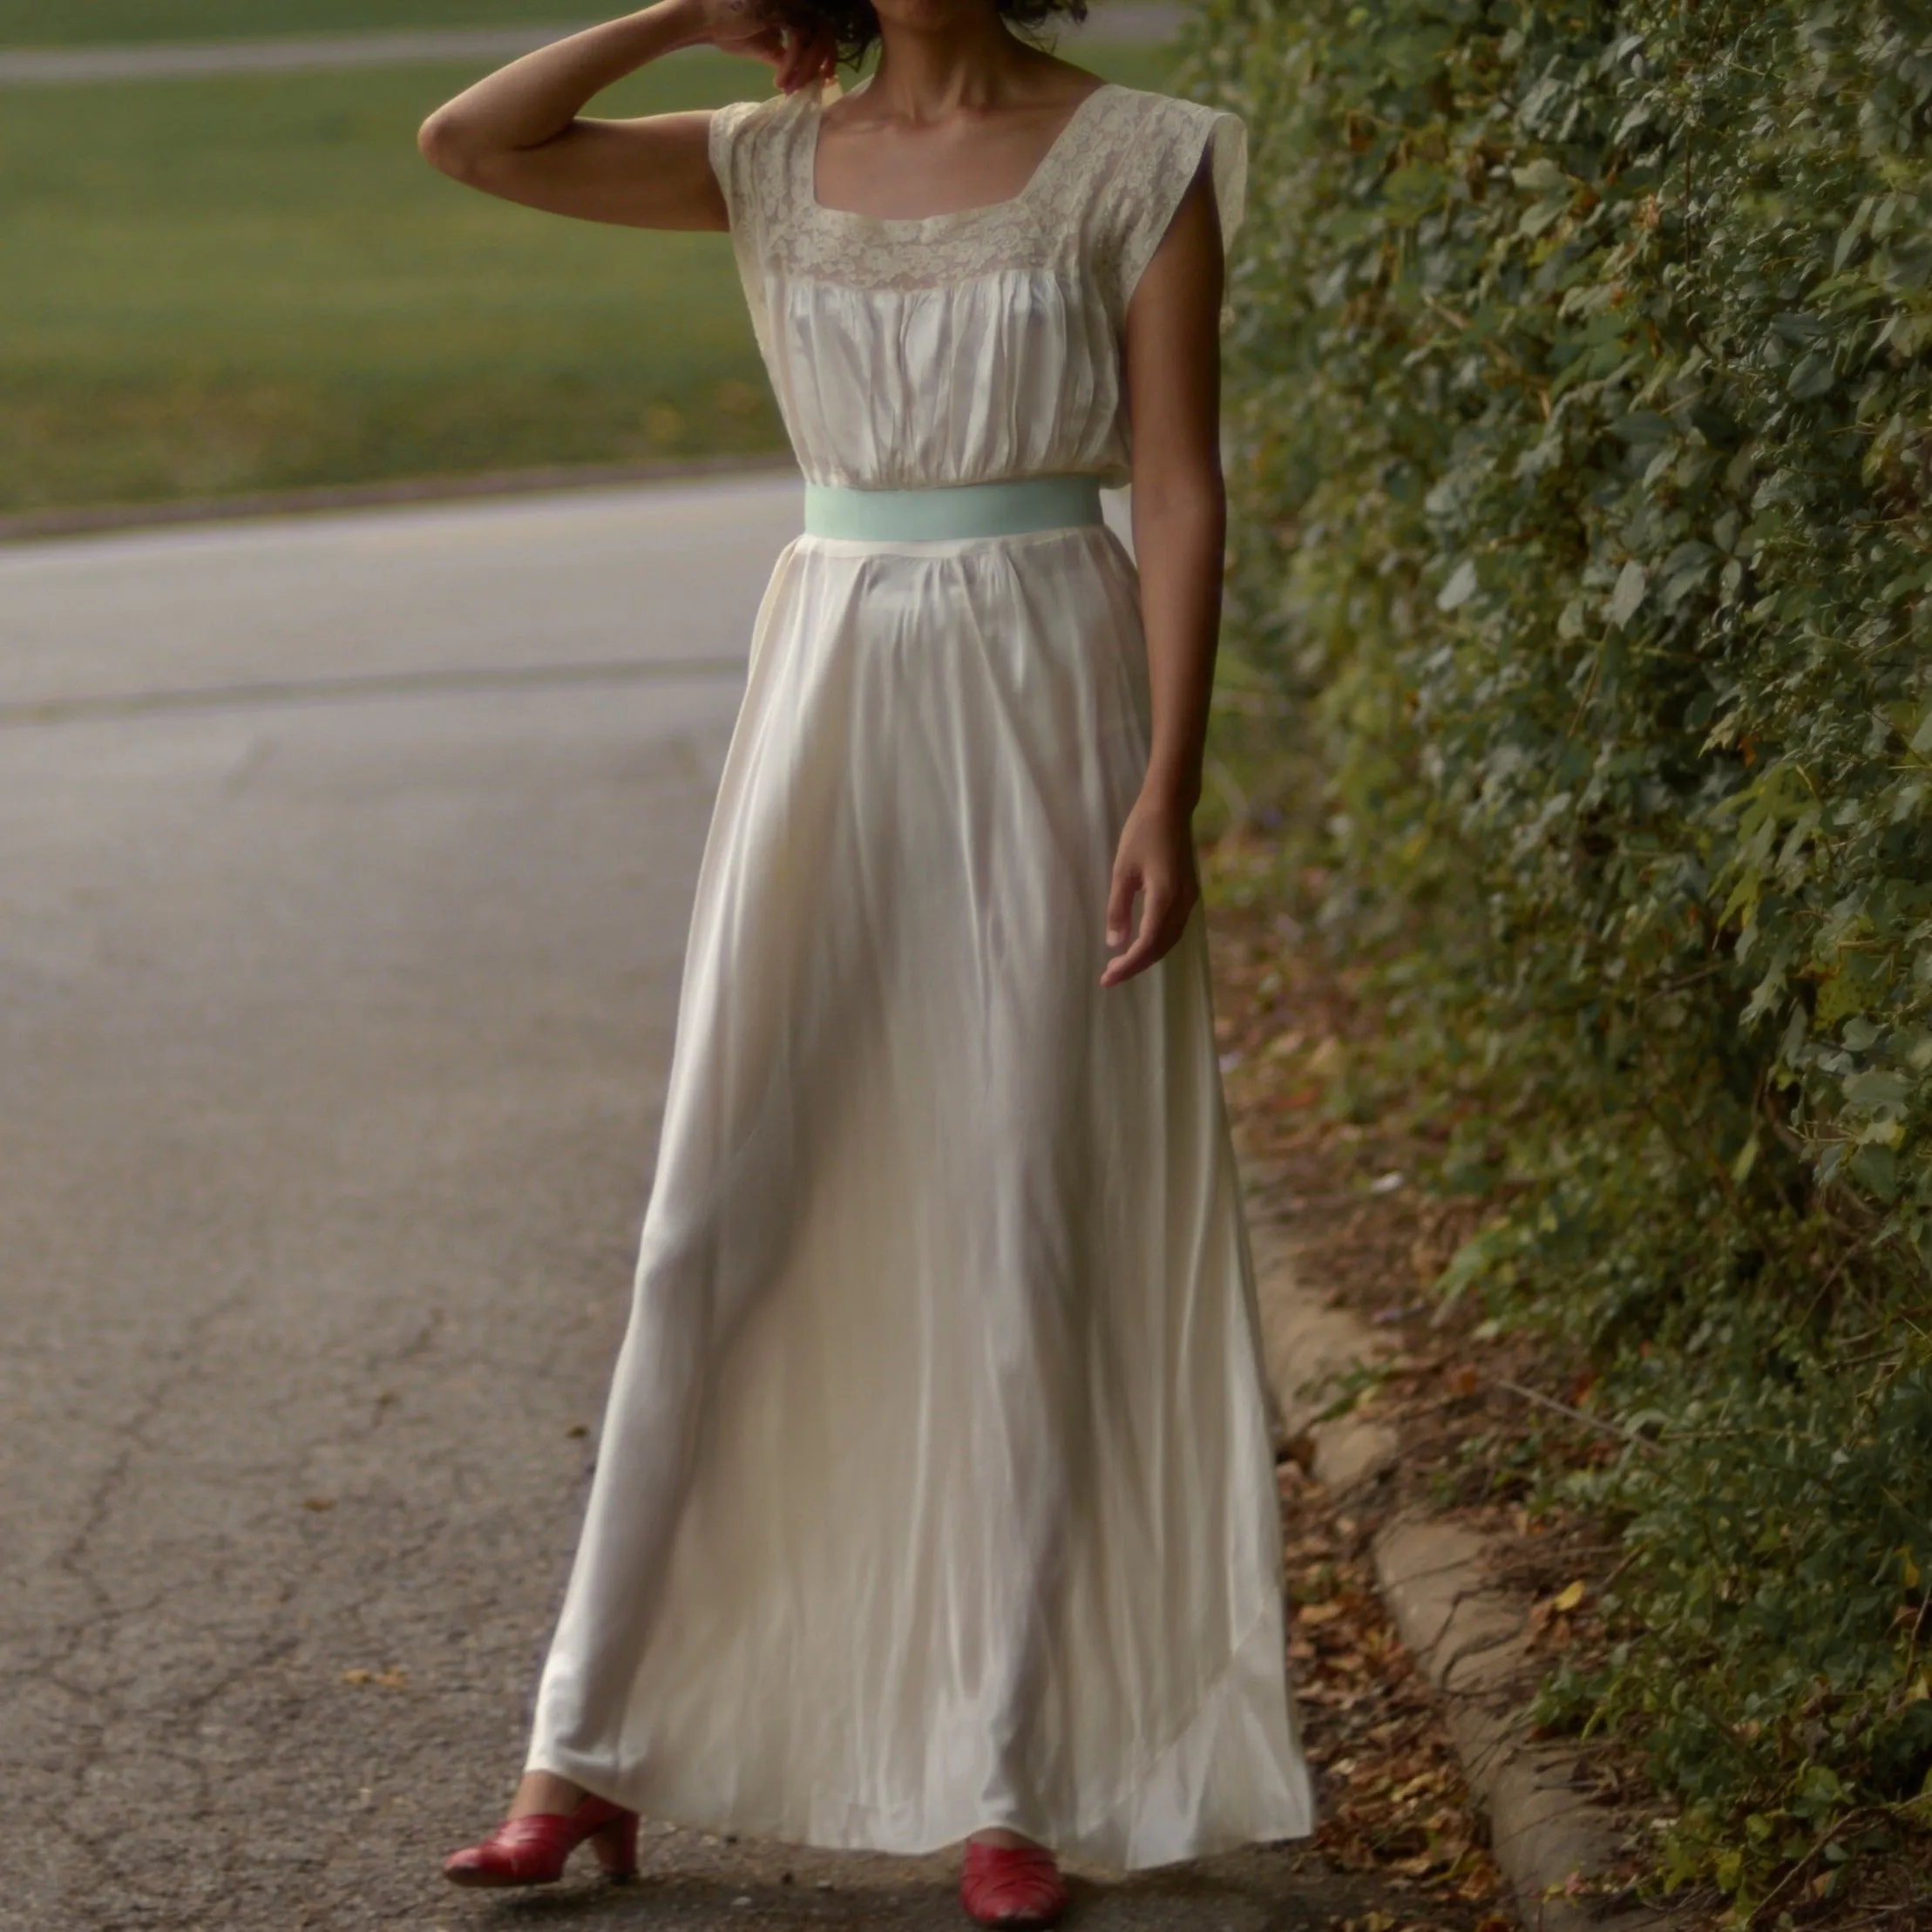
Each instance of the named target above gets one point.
<point>345,867</point>
<point>1127,22</point>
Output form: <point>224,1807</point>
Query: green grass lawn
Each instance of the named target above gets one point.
<point>221,286</point>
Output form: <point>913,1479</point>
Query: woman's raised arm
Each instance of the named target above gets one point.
<point>517,133</point>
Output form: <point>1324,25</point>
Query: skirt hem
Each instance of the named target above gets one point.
<point>1291,1817</point>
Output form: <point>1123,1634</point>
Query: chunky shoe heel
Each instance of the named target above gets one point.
<point>615,1844</point>
<point>533,1849</point>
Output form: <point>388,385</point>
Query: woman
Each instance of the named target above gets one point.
<point>934,1499</point>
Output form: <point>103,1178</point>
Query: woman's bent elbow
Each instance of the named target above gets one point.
<point>444,147</point>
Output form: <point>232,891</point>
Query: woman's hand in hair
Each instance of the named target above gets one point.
<point>799,57</point>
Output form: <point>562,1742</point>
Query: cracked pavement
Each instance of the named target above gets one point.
<point>344,872</point>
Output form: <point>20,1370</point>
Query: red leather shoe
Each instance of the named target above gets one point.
<point>532,1850</point>
<point>1012,1885</point>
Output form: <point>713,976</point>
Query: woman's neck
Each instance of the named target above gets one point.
<point>926,74</point>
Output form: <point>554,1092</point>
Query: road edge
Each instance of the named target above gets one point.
<point>94,519</point>
<point>1468,1634</point>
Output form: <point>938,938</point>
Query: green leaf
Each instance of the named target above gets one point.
<point>1876,1167</point>
<point>1877,1087</point>
<point>1813,376</point>
<point>1628,595</point>
<point>1461,587</point>
<point>1540,177</point>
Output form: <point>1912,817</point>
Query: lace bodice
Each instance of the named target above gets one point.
<point>971,346</point>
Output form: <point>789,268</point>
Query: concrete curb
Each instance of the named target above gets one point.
<point>1471,1638</point>
<point>1469,1635</point>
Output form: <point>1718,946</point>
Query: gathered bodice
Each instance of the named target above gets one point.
<point>973,346</point>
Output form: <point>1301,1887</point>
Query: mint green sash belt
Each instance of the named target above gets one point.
<point>952,510</point>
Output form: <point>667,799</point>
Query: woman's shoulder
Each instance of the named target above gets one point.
<point>1125,144</point>
<point>750,145</point>
<point>1145,110</point>
<point>739,119</point>
<point>1146,145</point>
<point>1149,147</point>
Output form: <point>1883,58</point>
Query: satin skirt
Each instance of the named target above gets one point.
<point>935,1488</point>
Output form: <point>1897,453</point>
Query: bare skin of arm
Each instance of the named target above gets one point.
<point>519,133</point>
<point>1180,527</point>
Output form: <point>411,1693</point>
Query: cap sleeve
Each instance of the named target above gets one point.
<point>732,160</point>
<point>1162,157</point>
<point>747,143</point>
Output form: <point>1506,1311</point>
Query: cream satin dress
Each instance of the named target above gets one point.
<point>935,1489</point>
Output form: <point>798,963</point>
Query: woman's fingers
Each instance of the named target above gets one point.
<point>1119,900</point>
<point>1160,928</point>
<point>1154,861</point>
<point>738,26</point>
<point>812,52</point>
<point>767,44</point>
<point>806,57</point>
<point>795,55</point>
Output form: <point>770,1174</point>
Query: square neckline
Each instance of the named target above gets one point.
<point>808,149</point>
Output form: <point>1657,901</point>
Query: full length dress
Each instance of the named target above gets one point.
<point>935,1488</point>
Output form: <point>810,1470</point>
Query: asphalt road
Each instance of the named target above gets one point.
<point>344,873</point>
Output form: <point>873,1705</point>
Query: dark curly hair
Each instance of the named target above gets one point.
<point>854,26</point>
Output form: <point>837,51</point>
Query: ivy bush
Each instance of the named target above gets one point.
<point>1581,404</point>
